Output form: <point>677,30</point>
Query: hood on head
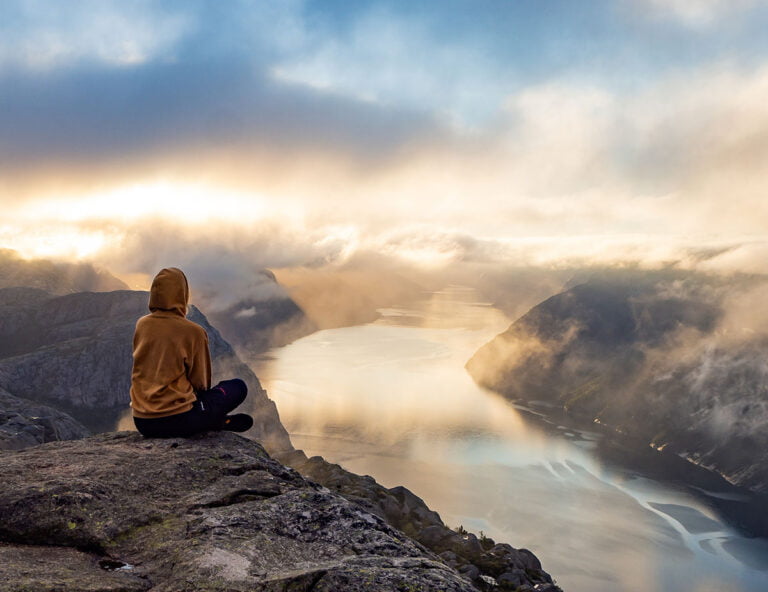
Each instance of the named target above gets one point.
<point>169,291</point>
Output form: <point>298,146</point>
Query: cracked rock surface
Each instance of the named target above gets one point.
<point>119,512</point>
<point>488,565</point>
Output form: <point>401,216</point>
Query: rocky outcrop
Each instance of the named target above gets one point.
<point>73,353</point>
<point>24,423</point>
<point>487,564</point>
<point>265,319</point>
<point>215,512</point>
<point>647,355</point>
<point>254,326</point>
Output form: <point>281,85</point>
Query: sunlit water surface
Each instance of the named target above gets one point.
<point>392,399</point>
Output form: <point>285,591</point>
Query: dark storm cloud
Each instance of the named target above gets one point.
<point>88,82</point>
<point>119,89</point>
<point>91,115</point>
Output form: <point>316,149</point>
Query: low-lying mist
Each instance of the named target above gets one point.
<point>677,358</point>
<point>671,344</point>
<point>339,276</point>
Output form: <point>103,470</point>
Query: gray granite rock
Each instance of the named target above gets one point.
<point>479,559</point>
<point>24,423</point>
<point>512,579</point>
<point>213,512</point>
<point>46,569</point>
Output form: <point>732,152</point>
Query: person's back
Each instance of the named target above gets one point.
<point>171,376</point>
<point>171,360</point>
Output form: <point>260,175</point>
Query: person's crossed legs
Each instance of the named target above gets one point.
<point>219,401</point>
<point>209,412</point>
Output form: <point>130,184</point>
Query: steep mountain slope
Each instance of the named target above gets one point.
<point>267,318</point>
<point>56,277</point>
<point>73,352</point>
<point>25,423</point>
<point>653,356</point>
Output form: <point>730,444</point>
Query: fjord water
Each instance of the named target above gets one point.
<point>392,399</point>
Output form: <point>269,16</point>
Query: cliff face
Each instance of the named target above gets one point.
<point>73,353</point>
<point>24,423</point>
<point>267,318</point>
<point>490,566</point>
<point>118,512</point>
<point>645,355</point>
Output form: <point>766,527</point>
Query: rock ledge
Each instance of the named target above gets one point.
<point>122,513</point>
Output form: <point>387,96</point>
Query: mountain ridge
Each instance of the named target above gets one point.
<point>650,360</point>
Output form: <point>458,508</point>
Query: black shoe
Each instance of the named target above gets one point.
<point>240,422</point>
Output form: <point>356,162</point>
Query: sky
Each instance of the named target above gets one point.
<point>134,133</point>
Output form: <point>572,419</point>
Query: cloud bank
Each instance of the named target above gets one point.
<point>306,132</point>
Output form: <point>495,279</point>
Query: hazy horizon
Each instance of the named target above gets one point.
<point>211,135</point>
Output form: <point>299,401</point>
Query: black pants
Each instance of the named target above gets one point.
<point>207,413</point>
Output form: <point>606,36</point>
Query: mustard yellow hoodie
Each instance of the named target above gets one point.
<point>171,359</point>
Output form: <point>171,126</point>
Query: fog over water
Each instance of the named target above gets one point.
<point>392,399</point>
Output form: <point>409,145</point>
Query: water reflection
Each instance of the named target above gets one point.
<point>392,399</point>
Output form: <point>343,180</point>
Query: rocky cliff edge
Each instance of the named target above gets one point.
<point>122,513</point>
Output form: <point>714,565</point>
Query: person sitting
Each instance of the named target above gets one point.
<point>171,394</point>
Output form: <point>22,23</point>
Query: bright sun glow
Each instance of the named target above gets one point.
<point>188,203</point>
<point>46,241</point>
<point>79,226</point>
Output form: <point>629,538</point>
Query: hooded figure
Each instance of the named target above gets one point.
<point>171,360</point>
<point>171,376</point>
